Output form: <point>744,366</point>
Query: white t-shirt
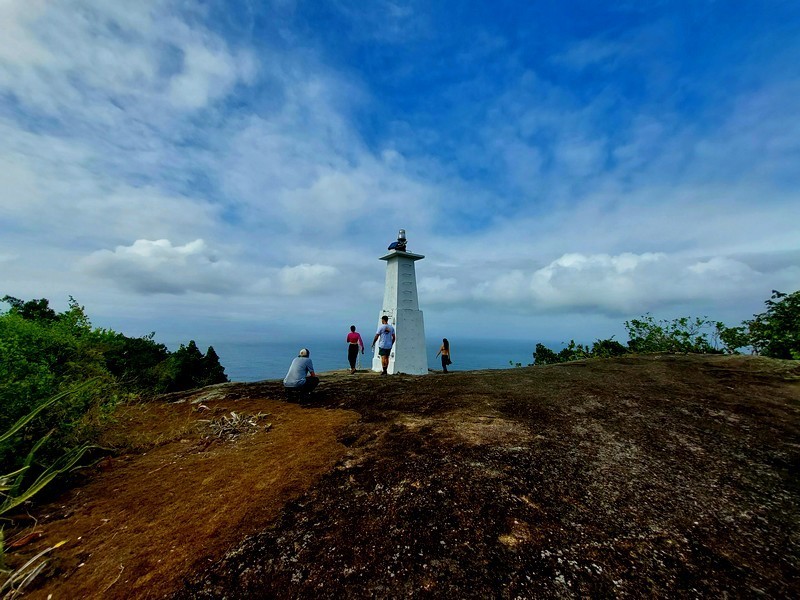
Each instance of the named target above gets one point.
<point>385,332</point>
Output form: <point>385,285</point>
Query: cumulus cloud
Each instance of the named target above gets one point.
<point>158,267</point>
<point>623,284</point>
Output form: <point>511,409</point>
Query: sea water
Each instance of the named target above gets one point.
<point>270,359</point>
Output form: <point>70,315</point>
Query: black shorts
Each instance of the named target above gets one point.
<point>384,351</point>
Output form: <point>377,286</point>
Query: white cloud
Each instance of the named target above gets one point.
<point>16,44</point>
<point>80,55</point>
<point>123,123</point>
<point>306,278</point>
<point>624,284</point>
<point>441,290</point>
<point>158,267</point>
<point>208,73</point>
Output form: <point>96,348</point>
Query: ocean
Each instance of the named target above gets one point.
<point>256,361</point>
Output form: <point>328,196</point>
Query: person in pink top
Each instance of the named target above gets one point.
<point>354,342</point>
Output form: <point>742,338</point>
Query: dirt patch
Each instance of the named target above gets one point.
<point>146,519</point>
<point>655,477</point>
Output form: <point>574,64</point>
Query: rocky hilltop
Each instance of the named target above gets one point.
<point>656,476</point>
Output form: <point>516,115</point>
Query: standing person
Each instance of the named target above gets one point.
<point>387,338</point>
<point>301,377</point>
<point>354,342</point>
<point>444,350</point>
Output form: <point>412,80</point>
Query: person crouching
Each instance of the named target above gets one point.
<point>301,378</point>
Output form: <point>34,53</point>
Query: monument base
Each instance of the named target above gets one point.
<point>409,354</point>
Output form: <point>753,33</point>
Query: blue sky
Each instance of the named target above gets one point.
<point>233,170</point>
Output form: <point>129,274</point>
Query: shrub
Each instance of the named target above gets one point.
<point>39,359</point>
<point>776,332</point>
<point>22,483</point>
<point>732,338</point>
<point>544,356</point>
<point>600,349</point>
<point>188,368</point>
<point>608,348</point>
<point>677,335</point>
<point>44,353</point>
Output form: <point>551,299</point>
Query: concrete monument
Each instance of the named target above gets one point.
<point>401,305</point>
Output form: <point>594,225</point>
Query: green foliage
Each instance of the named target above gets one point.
<point>15,487</point>
<point>776,332</point>
<point>573,351</point>
<point>134,362</point>
<point>188,368</point>
<point>213,371</point>
<point>42,356</point>
<point>608,348</point>
<point>544,356</point>
<point>732,338</point>
<point>60,378</point>
<point>677,335</point>
<point>32,310</point>
<point>600,349</point>
<point>44,353</point>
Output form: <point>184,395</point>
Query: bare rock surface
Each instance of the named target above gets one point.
<point>657,476</point>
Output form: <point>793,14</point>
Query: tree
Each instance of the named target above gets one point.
<point>544,356</point>
<point>213,371</point>
<point>608,348</point>
<point>678,335</point>
<point>776,332</point>
<point>133,361</point>
<point>32,310</point>
<point>732,338</point>
<point>188,368</point>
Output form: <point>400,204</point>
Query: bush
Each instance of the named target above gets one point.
<point>732,338</point>
<point>44,353</point>
<point>678,335</point>
<point>608,348</point>
<point>42,358</point>
<point>776,332</point>
<point>188,368</point>
<point>600,349</point>
<point>133,362</point>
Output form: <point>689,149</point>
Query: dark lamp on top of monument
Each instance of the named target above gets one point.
<point>400,244</point>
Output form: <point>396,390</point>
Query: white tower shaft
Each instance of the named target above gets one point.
<point>401,305</point>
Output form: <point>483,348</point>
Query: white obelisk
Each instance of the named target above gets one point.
<point>401,305</point>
